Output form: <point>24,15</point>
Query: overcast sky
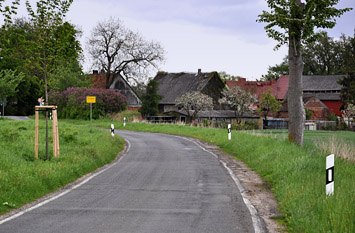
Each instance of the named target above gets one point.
<point>214,35</point>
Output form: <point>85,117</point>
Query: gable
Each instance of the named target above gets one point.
<point>122,86</point>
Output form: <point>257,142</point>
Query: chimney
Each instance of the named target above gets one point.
<point>95,72</point>
<point>242,80</point>
<point>199,72</point>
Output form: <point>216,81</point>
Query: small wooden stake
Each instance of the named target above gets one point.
<point>36,138</point>
<point>54,128</point>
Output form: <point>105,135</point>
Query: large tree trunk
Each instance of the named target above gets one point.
<point>296,112</point>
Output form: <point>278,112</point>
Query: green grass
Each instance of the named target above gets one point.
<point>23,179</point>
<point>296,174</point>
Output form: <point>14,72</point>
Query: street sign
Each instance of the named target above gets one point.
<point>91,99</point>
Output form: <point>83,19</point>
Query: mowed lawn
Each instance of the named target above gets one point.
<point>23,179</point>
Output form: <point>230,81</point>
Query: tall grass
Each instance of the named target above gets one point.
<point>334,145</point>
<point>23,179</point>
<point>296,175</point>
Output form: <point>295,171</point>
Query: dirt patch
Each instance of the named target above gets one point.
<point>257,191</point>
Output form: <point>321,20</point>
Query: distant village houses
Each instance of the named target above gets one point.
<point>321,93</point>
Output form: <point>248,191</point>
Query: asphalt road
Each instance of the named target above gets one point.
<point>163,184</point>
<point>18,118</point>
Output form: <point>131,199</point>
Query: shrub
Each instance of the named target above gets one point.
<point>72,102</point>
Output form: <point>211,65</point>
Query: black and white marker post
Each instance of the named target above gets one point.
<point>112,130</point>
<point>124,121</point>
<point>329,185</point>
<point>229,132</point>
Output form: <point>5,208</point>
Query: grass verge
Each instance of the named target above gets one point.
<point>296,175</point>
<point>83,149</point>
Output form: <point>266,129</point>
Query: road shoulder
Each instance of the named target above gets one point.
<point>257,191</point>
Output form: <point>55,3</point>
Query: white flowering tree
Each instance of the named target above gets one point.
<point>238,100</point>
<point>348,112</point>
<point>194,101</point>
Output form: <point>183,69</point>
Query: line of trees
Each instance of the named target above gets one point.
<point>44,49</point>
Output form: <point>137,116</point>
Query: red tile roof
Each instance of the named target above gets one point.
<point>282,87</point>
<point>255,87</point>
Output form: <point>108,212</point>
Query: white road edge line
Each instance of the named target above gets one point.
<point>257,222</point>
<point>67,191</point>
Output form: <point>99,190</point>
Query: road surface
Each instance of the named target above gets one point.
<point>162,184</point>
<point>18,118</point>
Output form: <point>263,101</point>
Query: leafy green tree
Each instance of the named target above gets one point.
<point>150,100</point>
<point>293,22</point>
<point>276,71</point>
<point>323,56</point>
<point>66,75</point>
<point>47,18</point>
<point>9,81</point>
<point>347,92</point>
<point>225,76</point>
<point>8,10</point>
<point>267,104</point>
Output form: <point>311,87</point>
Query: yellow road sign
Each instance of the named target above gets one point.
<point>91,99</point>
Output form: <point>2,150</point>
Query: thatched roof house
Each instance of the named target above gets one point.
<point>174,85</point>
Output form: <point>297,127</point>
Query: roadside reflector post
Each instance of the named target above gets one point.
<point>329,185</point>
<point>124,121</point>
<point>112,130</point>
<point>229,132</point>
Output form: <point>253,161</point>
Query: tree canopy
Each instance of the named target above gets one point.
<point>150,100</point>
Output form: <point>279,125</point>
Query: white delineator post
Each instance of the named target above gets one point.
<point>329,186</point>
<point>112,130</point>
<point>124,121</point>
<point>229,132</point>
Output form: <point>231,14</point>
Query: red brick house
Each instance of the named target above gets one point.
<point>318,109</point>
<point>324,87</point>
<point>321,93</point>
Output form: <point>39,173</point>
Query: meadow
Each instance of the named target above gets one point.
<point>23,179</point>
<point>295,174</point>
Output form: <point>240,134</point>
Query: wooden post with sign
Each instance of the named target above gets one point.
<point>90,100</point>
<point>55,129</point>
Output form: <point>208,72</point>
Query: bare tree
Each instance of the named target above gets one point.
<point>194,101</point>
<point>118,50</point>
<point>240,101</point>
